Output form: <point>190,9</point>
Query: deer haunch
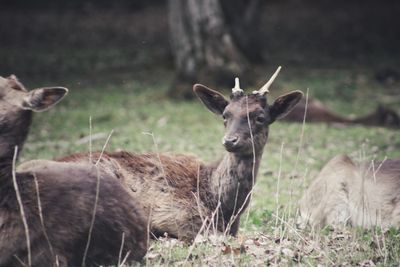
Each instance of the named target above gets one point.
<point>67,205</point>
<point>344,192</point>
<point>62,194</point>
<point>183,195</point>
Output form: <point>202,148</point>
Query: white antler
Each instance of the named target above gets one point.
<point>237,89</point>
<point>263,90</point>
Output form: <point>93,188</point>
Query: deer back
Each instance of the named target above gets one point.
<point>363,194</point>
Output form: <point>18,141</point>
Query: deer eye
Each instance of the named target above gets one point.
<point>224,118</point>
<point>260,119</point>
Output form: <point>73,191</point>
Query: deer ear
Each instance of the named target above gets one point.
<point>284,104</point>
<point>213,100</point>
<point>43,98</point>
<point>15,83</point>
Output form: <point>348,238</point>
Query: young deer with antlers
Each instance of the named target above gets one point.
<point>366,194</point>
<point>46,208</point>
<point>181,194</point>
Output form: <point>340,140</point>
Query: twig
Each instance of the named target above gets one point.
<point>250,193</point>
<point>301,237</point>
<point>41,215</point>
<point>303,126</point>
<point>104,147</point>
<point>93,216</point>
<point>90,139</point>
<point>228,227</point>
<point>301,141</point>
<point>199,232</point>
<point>253,167</point>
<point>21,207</point>
<point>125,258</point>
<point>233,218</point>
<point>148,229</point>
<point>278,187</point>
<point>197,195</point>
<point>158,155</point>
<point>19,260</point>
<point>121,249</point>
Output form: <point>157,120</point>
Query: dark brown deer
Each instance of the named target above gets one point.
<point>58,199</point>
<point>318,112</point>
<point>347,193</point>
<point>180,193</point>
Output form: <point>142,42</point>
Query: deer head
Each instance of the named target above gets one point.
<point>16,104</point>
<point>247,116</point>
<point>386,117</point>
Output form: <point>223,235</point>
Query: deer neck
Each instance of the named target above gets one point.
<point>5,170</point>
<point>232,181</point>
<point>9,139</point>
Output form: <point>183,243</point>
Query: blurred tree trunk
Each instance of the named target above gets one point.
<point>244,20</point>
<point>202,45</point>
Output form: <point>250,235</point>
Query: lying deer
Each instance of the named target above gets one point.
<point>58,199</point>
<point>180,193</point>
<point>318,112</point>
<point>366,194</point>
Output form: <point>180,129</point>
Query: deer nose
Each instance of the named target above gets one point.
<point>230,141</point>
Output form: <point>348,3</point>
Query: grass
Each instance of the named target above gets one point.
<point>132,109</point>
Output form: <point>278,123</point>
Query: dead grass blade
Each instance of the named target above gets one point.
<point>104,147</point>
<point>21,207</point>
<point>41,216</point>
<point>93,217</point>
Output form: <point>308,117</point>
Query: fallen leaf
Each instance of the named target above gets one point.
<point>226,249</point>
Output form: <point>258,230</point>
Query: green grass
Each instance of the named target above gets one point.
<point>134,110</point>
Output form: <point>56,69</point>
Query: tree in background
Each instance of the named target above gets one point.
<point>210,41</point>
<point>244,20</point>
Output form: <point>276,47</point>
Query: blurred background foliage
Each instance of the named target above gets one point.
<point>107,41</point>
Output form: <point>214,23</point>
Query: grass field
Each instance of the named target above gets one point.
<point>137,110</point>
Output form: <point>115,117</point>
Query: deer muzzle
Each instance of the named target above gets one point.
<point>230,142</point>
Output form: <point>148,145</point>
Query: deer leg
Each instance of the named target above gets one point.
<point>235,226</point>
<point>40,258</point>
<point>176,218</point>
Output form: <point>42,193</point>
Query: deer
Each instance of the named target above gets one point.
<point>316,112</point>
<point>182,195</point>
<point>345,192</point>
<point>49,215</point>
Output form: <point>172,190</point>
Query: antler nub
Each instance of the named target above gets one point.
<point>263,90</point>
<point>237,89</point>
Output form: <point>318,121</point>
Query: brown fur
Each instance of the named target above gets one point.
<point>165,184</point>
<point>179,192</point>
<point>344,192</point>
<point>67,194</point>
<point>318,112</point>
